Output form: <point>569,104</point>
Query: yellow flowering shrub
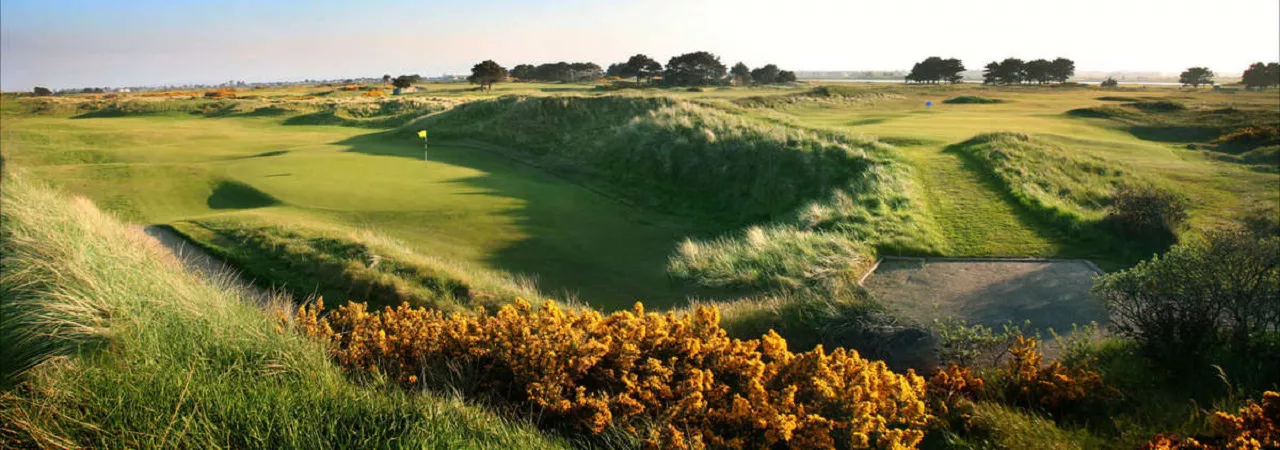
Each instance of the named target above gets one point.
<point>675,381</point>
<point>1254,427</point>
<point>951,391</point>
<point>1054,388</point>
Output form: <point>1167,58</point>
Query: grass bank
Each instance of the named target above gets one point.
<point>829,200</point>
<point>107,342</point>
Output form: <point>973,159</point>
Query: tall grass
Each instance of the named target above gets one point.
<point>107,342</point>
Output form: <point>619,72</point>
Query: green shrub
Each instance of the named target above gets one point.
<point>1147,213</point>
<point>1181,306</point>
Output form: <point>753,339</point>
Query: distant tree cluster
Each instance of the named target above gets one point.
<point>41,91</point>
<point>639,66</point>
<point>1260,75</point>
<point>936,70</point>
<point>694,69</point>
<point>558,72</point>
<point>402,81</point>
<point>1039,71</point>
<point>767,74</point>
<point>1196,76</point>
<point>1110,82</point>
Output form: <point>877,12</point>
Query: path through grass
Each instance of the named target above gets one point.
<point>972,213</point>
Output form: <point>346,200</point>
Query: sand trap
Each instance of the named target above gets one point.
<point>1050,294</point>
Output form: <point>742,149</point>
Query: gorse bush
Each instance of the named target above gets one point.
<point>1200,296</point>
<point>1254,426</point>
<point>675,381</point>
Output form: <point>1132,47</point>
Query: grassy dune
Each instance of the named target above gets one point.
<point>112,344</point>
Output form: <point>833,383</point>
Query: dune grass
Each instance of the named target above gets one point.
<point>107,342</point>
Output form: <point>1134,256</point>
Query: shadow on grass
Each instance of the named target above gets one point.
<point>229,194</point>
<point>579,242</point>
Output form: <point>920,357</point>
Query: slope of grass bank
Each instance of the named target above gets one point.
<point>342,265</point>
<point>107,342</point>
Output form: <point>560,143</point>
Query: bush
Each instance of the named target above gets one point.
<point>675,381</point>
<point>1109,83</point>
<point>1147,213</point>
<point>1224,290</point>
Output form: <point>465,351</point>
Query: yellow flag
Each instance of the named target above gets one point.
<point>422,134</point>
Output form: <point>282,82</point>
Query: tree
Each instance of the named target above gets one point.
<point>991,73</point>
<point>1062,69</point>
<point>1038,70</point>
<point>1109,83</point>
<point>1196,76</point>
<point>523,72</point>
<point>614,70</point>
<point>1260,75</point>
<point>561,71</point>
<point>641,66</point>
<point>786,76</point>
<point>386,79</point>
<point>741,74</point>
<point>1011,71</point>
<point>487,73</point>
<point>950,70</point>
<point>41,91</point>
<point>585,71</point>
<point>694,69</point>
<point>404,81</point>
<point>766,75</point>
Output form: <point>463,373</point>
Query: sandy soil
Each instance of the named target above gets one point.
<point>196,259</point>
<point>1050,294</point>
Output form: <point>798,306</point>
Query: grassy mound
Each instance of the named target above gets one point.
<point>710,163</point>
<point>385,114</point>
<point>667,154</point>
<point>106,342</point>
<point>1070,190</point>
<point>821,95</point>
<point>342,265</point>
<point>971,99</point>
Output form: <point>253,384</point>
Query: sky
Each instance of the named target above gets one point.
<point>82,43</point>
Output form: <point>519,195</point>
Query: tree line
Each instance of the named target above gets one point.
<point>1038,71</point>
<point>690,69</point>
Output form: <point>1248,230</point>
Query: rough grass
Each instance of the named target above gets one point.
<point>971,99</point>
<point>344,265</point>
<point>108,343</point>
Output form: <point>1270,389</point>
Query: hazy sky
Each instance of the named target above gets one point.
<point>70,43</point>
